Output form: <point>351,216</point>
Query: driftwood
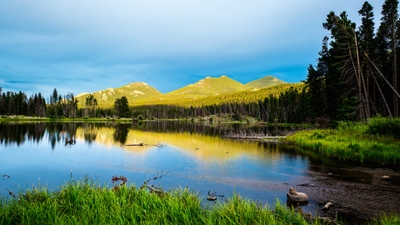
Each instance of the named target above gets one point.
<point>327,205</point>
<point>155,189</point>
<point>11,193</point>
<point>152,187</point>
<point>137,144</point>
<point>142,144</point>
<point>251,135</point>
<point>212,196</point>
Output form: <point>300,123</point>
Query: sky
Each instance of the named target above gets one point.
<point>80,46</point>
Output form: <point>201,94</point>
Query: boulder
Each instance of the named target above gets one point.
<point>294,196</point>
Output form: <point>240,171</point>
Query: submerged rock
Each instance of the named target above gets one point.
<point>295,196</point>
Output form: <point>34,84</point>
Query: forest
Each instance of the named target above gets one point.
<point>355,78</point>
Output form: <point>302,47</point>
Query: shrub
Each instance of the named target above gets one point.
<point>384,126</point>
<point>318,135</point>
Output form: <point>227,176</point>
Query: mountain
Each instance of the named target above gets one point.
<point>205,90</point>
<point>264,82</point>
<point>133,92</point>
<point>207,87</point>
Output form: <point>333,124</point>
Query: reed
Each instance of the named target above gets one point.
<point>351,142</point>
<point>386,220</point>
<point>85,202</point>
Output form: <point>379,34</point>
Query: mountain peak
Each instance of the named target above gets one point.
<point>141,92</point>
<point>264,82</point>
<point>135,91</point>
<point>207,87</point>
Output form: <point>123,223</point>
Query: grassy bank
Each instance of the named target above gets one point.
<point>85,202</point>
<point>88,203</point>
<point>375,142</point>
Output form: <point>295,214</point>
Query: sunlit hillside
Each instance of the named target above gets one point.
<point>247,96</point>
<point>207,87</point>
<point>133,92</point>
<point>208,91</point>
<point>264,82</point>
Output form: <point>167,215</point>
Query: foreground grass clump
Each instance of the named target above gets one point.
<point>87,203</point>
<point>355,142</point>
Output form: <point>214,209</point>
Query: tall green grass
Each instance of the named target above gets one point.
<point>355,141</point>
<point>85,202</point>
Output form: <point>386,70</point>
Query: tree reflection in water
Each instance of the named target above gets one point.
<point>90,132</point>
<point>121,133</point>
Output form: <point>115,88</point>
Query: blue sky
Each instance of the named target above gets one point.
<point>84,46</point>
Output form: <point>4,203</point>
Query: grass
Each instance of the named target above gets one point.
<point>353,142</point>
<point>84,202</point>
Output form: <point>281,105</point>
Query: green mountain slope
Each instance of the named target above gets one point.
<point>133,92</point>
<point>247,96</point>
<point>208,91</point>
<point>264,82</point>
<point>208,86</point>
<point>205,88</point>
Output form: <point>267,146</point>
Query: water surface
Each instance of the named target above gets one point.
<point>187,155</point>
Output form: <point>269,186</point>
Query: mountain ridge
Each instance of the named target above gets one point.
<point>140,92</point>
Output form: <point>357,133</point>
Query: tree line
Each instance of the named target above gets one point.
<point>356,74</point>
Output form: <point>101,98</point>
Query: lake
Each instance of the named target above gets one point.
<point>193,155</point>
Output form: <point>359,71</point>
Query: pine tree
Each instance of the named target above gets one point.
<point>388,43</point>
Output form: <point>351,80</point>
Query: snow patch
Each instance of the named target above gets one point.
<point>137,93</point>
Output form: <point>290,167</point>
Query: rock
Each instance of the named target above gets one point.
<point>327,205</point>
<point>211,198</point>
<point>295,196</point>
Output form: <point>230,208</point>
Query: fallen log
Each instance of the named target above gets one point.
<point>155,189</point>
<point>136,144</point>
<point>240,136</point>
<point>327,205</point>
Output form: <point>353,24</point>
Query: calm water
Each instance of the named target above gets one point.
<point>188,155</point>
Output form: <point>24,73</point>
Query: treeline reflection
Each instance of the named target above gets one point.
<point>19,133</point>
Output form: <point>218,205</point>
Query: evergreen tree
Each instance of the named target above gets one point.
<point>54,97</point>
<point>387,39</point>
<point>90,105</point>
<point>121,107</point>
